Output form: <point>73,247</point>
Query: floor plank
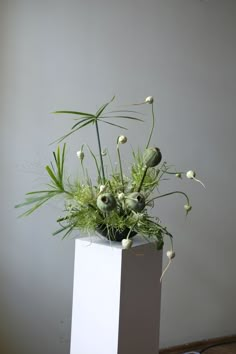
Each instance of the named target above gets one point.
<point>198,346</point>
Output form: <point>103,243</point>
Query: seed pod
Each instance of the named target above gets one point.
<point>152,157</point>
<point>106,202</point>
<point>126,243</point>
<point>135,201</point>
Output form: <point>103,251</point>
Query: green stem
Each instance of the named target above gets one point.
<point>172,173</point>
<point>70,194</point>
<point>142,180</point>
<point>153,124</point>
<point>100,151</point>
<point>120,165</point>
<point>164,195</point>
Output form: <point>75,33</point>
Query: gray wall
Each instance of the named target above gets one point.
<point>77,54</point>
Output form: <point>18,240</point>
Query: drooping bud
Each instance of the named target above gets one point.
<point>190,174</point>
<point>106,202</point>
<point>187,207</point>
<point>178,175</point>
<point>122,139</point>
<point>170,254</point>
<point>152,157</point>
<point>126,243</point>
<point>149,100</point>
<point>135,201</point>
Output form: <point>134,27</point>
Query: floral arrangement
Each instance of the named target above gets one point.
<point>116,206</point>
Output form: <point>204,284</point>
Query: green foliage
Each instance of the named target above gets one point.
<point>80,197</point>
<point>56,185</point>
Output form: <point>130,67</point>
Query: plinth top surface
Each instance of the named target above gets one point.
<point>102,241</point>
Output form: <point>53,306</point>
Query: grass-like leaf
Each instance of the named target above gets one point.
<point>115,125</point>
<point>80,122</point>
<point>75,112</point>
<point>73,131</point>
<point>38,198</point>
<point>103,107</point>
<point>125,117</point>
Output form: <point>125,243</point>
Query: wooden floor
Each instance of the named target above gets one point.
<point>199,346</point>
<point>224,349</point>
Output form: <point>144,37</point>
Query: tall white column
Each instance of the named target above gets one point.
<point>116,298</point>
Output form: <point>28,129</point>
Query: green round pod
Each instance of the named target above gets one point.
<point>135,201</point>
<point>106,202</point>
<point>152,157</point>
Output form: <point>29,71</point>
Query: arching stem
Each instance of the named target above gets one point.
<point>164,195</point>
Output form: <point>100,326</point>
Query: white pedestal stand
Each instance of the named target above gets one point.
<point>116,298</point>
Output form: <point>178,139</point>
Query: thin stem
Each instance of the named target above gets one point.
<point>120,165</point>
<point>69,193</point>
<point>165,270</point>
<point>142,180</point>
<point>100,151</point>
<point>164,195</point>
<point>172,173</point>
<point>153,124</point>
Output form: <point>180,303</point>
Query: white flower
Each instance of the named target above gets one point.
<point>170,254</point>
<point>80,155</point>
<point>149,100</point>
<point>126,243</point>
<point>122,139</point>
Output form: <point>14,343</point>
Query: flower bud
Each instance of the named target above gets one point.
<point>106,202</point>
<point>135,201</point>
<point>80,155</point>
<point>102,188</point>
<point>190,174</point>
<point>126,243</point>
<point>152,157</point>
<point>178,175</point>
<point>170,254</point>
<point>149,100</point>
<point>187,207</point>
<point>122,139</point>
<point>121,196</point>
